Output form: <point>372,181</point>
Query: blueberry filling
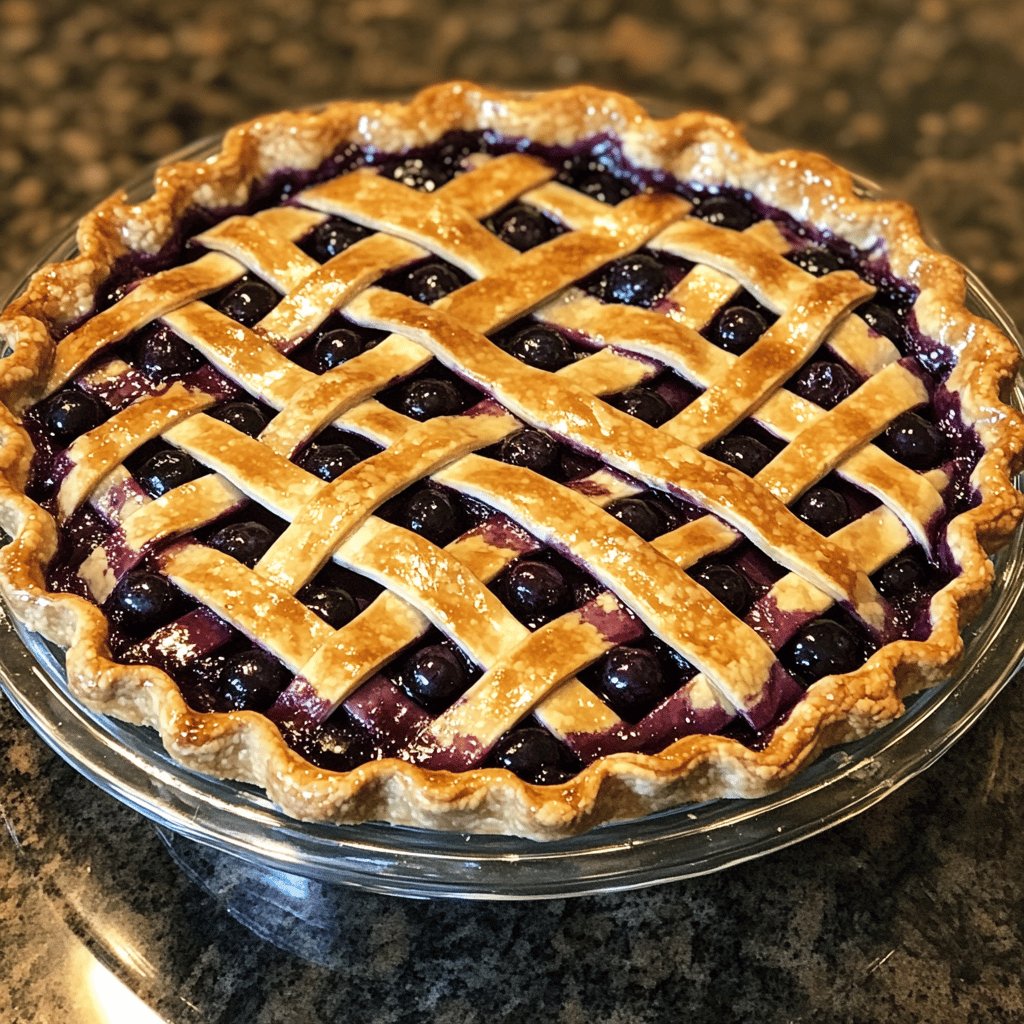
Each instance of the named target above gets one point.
<point>644,404</point>
<point>334,605</point>
<point>535,592</point>
<point>737,328</point>
<point>534,755</point>
<point>823,509</point>
<point>725,212</point>
<point>595,177</point>
<point>163,356</point>
<point>71,413</point>
<point>633,681</point>
<point>421,174</point>
<point>815,260</point>
<point>882,320</point>
<point>250,681</point>
<point>248,302</point>
<point>824,383</point>
<point>246,417</point>
<point>433,514</point>
<point>245,542</point>
<point>642,517</point>
<point>144,600</point>
<point>633,678</point>
<point>426,398</point>
<point>637,280</point>
<point>523,227</point>
<point>905,575</point>
<point>337,745</point>
<point>166,470</point>
<point>823,648</point>
<point>746,454</point>
<point>337,347</point>
<point>428,282</point>
<point>434,676</point>
<point>332,237</point>
<point>913,441</point>
<point>727,585</point>
<point>541,347</point>
<point>531,449</point>
<point>328,461</point>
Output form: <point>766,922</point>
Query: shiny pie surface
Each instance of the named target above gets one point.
<point>494,463</point>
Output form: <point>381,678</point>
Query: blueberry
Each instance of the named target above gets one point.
<point>434,677</point>
<point>113,291</point>
<point>639,515</point>
<point>746,454</point>
<point>333,236</point>
<point>913,441</point>
<point>336,745</point>
<point>424,399</point>
<point>738,328</point>
<point>71,412</point>
<point>452,154</point>
<point>585,589</point>
<point>328,461</point>
<point>576,465</point>
<point>633,679</point>
<point>724,212</point>
<point>729,586</point>
<point>532,754</point>
<point>535,590</point>
<point>637,280</point>
<point>248,302</point>
<point>246,417</point>
<point>677,665</point>
<point>434,515</point>
<point>604,187</point>
<point>244,542</point>
<point>164,356</point>
<point>144,600</point>
<point>823,509</point>
<point>882,320</point>
<point>431,281</point>
<point>541,347</point>
<point>644,404</point>
<point>251,681</point>
<point>826,384</point>
<point>588,176</point>
<point>901,577</point>
<point>334,605</point>
<point>166,470</point>
<point>522,227</point>
<point>421,174</point>
<point>824,648</point>
<point>337,347</point>
<point>531,449</point>
<point>815,260</point>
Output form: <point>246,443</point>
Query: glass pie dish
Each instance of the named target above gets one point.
<point>130,763</point>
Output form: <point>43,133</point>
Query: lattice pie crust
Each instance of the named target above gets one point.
<point>524,672</point>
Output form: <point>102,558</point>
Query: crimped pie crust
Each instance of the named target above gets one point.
<point>693,147</point>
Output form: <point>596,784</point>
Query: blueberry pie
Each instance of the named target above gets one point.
<point>502,462</point>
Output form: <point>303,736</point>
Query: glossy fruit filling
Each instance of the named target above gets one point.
<point>219,668</point>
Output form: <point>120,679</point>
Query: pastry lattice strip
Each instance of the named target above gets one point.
<point>470,264</point>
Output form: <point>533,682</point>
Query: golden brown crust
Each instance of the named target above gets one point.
<point>697,147</point>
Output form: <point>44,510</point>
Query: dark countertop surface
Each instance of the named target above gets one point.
<point>913,911</point>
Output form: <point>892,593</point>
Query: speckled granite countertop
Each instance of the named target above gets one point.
<point>912,912</point>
